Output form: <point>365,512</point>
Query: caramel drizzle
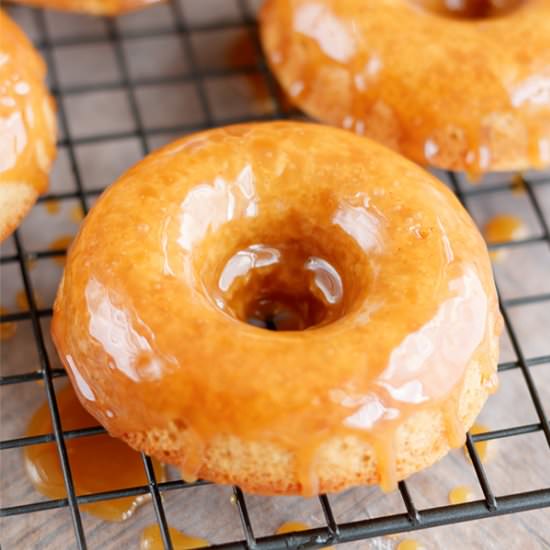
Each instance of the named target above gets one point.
<point>386,462</point>
<point>460,494</point>
<point>359,99</point>
<point>454,428</point>
<point>151,539</point>
<point>518,184</point>
<point>292,527</point>
<point>533,150</point>
<point>306,471</point>
<point>383,445</point>
<point>193,460</point>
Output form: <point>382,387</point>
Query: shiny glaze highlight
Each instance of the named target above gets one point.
<point>394,279</point>
<point>460,93</point>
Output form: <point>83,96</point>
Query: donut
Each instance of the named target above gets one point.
<point>465,89</point>
<point>27,126</point>
<point>283,306</point>
<point>92,7</point>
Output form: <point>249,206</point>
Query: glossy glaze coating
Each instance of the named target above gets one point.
<point>465,91</point>
<point>93,7</point>
<point>27,124</point>
<point>373,257</point>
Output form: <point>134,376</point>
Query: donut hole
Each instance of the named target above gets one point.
<point>283,286</point>
<point>278,311</point>
<point>300,277</point>
<point>471,9</point>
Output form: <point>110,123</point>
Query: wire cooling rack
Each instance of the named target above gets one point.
<point>196,78</point>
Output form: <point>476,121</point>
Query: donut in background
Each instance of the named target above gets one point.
<point>461,90</point>
<point>27,126</point>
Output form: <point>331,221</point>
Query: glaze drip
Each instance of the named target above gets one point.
<point>292,527</point>
<point>151,539</point>
<point>98,463</point>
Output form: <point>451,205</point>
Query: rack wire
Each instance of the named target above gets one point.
<point>333,532</point>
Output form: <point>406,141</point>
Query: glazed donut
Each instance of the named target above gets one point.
<point>92,7</point>
<point>461,90</point>
<point>375,279</point>
<point>27,126</point>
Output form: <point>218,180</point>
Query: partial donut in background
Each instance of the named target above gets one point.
<point>27,126</point>
<point>467,89</point>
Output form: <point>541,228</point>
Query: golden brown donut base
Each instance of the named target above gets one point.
<point>342,461</point>
<point>92,7</point>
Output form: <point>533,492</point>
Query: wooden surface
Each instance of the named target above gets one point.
<point>518,464</point>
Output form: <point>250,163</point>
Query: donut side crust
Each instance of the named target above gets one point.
<point>342,462</point>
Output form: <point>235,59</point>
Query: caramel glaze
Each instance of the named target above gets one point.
<point>292,527</point>
<point>7,328</point>
<point>444,91</point>
<point>151,539</point>
<point>52,207</point>
<point>383,274</point>
<point>410,544</point>
<point>60,243</point>
<point>460,494</point>
<point>27,120</point>
<point>93,7</point>
<point>98,463</point>
<point>76,214</point>
<point>483,448</point>
<point>503,228</point>
<point>519,184</point>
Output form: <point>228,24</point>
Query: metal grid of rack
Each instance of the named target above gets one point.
<point>333,532</point>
